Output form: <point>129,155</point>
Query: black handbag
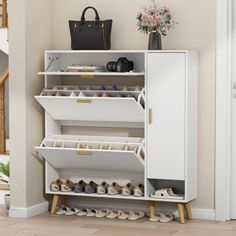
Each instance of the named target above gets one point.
<point>90,35</point>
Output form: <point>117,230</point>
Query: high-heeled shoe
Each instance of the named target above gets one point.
<point>105,95</point>
<point>82,94</point>
<point>79,146</point>
<point>126,147</point>
<point>114,88</point>
<point>50,94</point>
<point>137,88</point>
<point>102,88</point>
<point>58,94</point>
<point>88,147</point>
<point>125,88</point>
<point>96,95</point>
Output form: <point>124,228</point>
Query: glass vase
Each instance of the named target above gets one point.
<point>155,41</point>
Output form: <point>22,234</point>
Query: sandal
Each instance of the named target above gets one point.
<point>114,189</point>
<point>62,211</point>
<point>84,212</point>
<point>92,213</point>
<point>167,217</point>
<point>79,187</point>
<point>71,211</point>
<point>136,215</point>
<point>125,215</point>
<point>166,193</point>
<point>102,213</point>
<point>128,190</point>
<point>156,218</point>
<point>113,214</point>
<point>56,185</point>
<point>91,187</point>
<point>139,190</point>
<point>67,186</point>
<point>102,188</point>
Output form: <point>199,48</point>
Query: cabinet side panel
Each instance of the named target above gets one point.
<point>166,104</point>
<point>192,126</point>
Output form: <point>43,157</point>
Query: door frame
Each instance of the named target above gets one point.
<point>223,110</point>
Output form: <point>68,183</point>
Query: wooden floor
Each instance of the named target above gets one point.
<point>47,224</point>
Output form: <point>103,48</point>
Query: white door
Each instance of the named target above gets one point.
<point>166,91</point>
<point>233,169</point>
<point>233,164</point>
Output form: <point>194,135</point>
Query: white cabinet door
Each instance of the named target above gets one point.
<point>166,106</point>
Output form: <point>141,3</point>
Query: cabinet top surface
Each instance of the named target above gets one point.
<point>119,51</point>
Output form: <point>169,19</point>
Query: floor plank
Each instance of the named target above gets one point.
<point>50,225</point>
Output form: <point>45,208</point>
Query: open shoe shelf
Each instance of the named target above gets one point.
<point>95,195</point>
<point>80,105</point>
<point>104,152</point>
<point>64,73</point>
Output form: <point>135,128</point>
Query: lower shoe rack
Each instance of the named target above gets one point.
<point>81,157</point>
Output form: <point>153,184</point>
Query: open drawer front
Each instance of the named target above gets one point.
<point>89,108</point>
<point>88,153</point>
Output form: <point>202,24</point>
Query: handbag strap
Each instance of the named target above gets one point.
<point>97,18</point>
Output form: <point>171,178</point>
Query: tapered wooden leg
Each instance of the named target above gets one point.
<point>152,210</point>
<point>63,201</point>
<point>181,213</point>
<point>54,204</point>
<point>188,211</point>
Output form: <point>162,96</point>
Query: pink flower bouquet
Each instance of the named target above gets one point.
<point>155,19</point>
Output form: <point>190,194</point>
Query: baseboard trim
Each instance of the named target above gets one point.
<point>203,214</point>
<point>18,212</point>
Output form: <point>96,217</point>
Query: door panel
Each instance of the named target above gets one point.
<point>233,164</point>
<point>166,104</point>
<point>233,142</point>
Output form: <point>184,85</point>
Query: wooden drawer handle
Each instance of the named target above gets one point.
<point>150,116</point>
<point>87,76</point>
<point>81,153</point>
<point>84,101</point>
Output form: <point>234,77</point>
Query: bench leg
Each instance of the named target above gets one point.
<point>188,211</point>
<point>181,213</point>
<point>152,210</point>
<point>63,201</point>
<point>54,204</point>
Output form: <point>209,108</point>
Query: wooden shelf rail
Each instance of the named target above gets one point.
<point>3,79</point>
<point>4,14</point>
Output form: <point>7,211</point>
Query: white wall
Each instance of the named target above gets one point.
<point>30,34</point>
<point>195,30</point>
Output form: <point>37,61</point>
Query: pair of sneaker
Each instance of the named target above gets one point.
<point>62,186</point>
<point>115,189</point>
<point>83,187</point>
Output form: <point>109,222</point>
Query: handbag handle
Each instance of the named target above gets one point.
<point>97,18</point>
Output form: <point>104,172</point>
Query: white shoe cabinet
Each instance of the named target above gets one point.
<point>160,103</point>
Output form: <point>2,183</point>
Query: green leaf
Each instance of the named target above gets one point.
<point>5,169</point>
